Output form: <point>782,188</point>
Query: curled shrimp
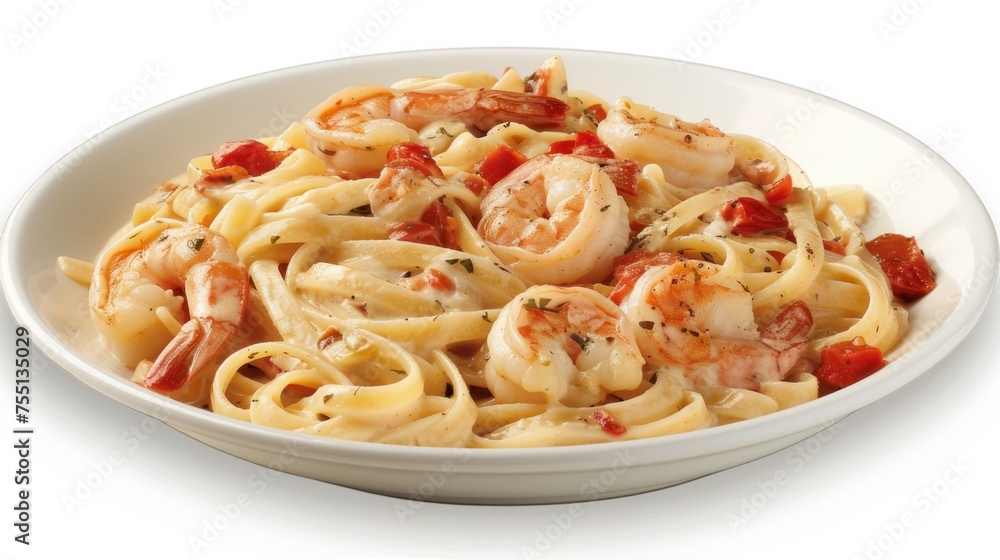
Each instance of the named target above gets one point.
<point>689,314</point>
<point>136,281</point>
<point>410,183</point>
<point>561,344</point>
<point>691,155</point>
<point>556,220</point>
<point>478,107</point>
<point>352,130</point>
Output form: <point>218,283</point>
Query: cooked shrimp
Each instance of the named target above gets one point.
<point>352,130</point>
<point>561,344</point>
<point>691,155</point>
<point>556,220</point>
<point>135,282</point>
<point>689,314</point>
<point>410,182</point>
<point>478,107</point>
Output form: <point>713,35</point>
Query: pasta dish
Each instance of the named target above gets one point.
<point>480,261</point>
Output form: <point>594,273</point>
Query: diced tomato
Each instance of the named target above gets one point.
<point>562,147</point>
<point>439,216</point>
<point>749,216</point>
<point>847,362</point>
<point>910,276</point>
<point>608,422</point>
<point>585,143</point>
<point>415,232</point>
<point>436,227</point>
<point>589,144</point>
<point>779,191</point>
<point>473,182</point>
<point>793,322</point>
<point>596,112</point>
<point>499,163</point>
<point>251,155</point>
<point>417,156</point>
<point>431,278</point>
<point>777,255</point>
<point>624,173</point>
<point>437,280</point>
<point>630,266</point>
<point>834,247</point>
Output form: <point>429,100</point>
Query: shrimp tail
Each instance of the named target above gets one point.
<point>481,108</point>
<point>217,294</point>
<point>528,109</point>
<point>200,339</point>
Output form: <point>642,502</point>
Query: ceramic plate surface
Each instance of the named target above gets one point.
<point>834,143</point>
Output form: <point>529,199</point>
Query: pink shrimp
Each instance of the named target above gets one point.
<point>691,315</point>
<point>135,281</point>
<point>561,344</point>
<point>478,107</point>
<point>556,220</point>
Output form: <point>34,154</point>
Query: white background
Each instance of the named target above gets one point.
<point>913,476</point>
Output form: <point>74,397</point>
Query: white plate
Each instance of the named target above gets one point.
<point>74,207</point>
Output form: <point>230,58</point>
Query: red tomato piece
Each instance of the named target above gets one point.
<point>596,112</point>
<point>779,191</point>
<point>630,266</point>
<point>847,362</point>
<point>589,144</point>
<point>499,163</point>
<point>415,232</point>
<point>437,280</point>
<point>473,182</point>
<point>834,247</point>
<point>608,422</point>
<point>749,216</point>
<point>562,147</point>
<point>431,278</point>
<point>439,216</point>
<point>585,143</point>
<point>910,276</point>
<point>417,156</point>
<point>624,173</point>
<point>251,155</point>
